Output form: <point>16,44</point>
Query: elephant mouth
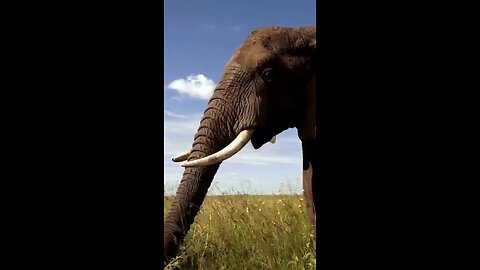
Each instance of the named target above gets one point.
<point>260,138</point>
<point>266,134</point>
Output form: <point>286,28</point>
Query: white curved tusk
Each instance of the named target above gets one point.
<point>234,147</point>
<point>274,139</point>
<point>181,157</point>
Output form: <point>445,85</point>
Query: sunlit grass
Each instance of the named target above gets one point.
<point>248,232</point>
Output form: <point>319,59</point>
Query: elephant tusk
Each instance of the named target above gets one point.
<point>234,147</point>
<point>181,157</point>
<point>274,139</point>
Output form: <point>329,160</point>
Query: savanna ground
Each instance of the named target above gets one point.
<point>248,232</point>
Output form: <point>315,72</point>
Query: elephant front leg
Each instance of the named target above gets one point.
<point>308,149</point>
<point>308,194</point>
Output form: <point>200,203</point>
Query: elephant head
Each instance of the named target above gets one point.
<point>268,86</point>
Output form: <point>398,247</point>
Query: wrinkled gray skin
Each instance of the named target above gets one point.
<point>269,86</point>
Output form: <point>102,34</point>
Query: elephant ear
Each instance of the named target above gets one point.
<point>306,45</point>
<point>313,44</point>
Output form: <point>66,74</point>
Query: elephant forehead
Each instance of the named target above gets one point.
<point>266,43</point>
<point>250,56</point>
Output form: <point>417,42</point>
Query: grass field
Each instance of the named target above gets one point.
<point>248,232</point>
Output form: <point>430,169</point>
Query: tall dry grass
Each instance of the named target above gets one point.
<point>248,232</point>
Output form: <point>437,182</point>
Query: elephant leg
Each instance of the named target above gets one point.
<point>308,194</point>
<point>306,133</point>
<point>308,149</point>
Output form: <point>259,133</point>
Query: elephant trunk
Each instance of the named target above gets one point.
<point>190,195</point>
<point>214,133</point>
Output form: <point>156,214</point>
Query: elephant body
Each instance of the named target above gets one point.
<point>267,87</point>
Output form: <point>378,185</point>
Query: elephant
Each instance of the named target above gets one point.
<point>267,86</point>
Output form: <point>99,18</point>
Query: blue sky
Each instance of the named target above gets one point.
<point>200,37</point>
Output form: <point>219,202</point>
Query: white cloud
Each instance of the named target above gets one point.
<point>175,115</point>
<point>195,86</point>
<point>179,130</point>
<point>263,159</point>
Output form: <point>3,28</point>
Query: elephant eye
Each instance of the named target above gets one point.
<point>267,74</point>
